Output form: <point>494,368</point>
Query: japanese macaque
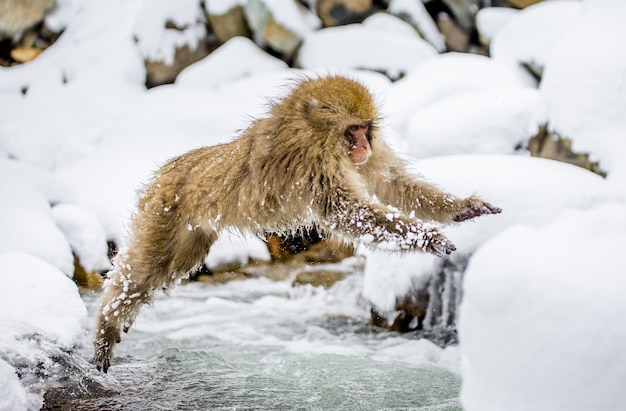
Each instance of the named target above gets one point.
<point>317,160</point>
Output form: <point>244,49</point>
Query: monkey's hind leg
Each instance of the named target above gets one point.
<point>135,278</point>
<point>117,307</point>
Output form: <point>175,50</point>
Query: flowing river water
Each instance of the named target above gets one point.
<point>267,345</point>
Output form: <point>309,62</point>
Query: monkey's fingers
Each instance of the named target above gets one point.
<point>476,211</point>
<point>490,209</point>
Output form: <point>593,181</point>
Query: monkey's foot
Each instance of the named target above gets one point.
<point>103,348</point>
<point>476,208</point>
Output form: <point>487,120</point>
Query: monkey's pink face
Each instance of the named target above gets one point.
<point>358,136</point>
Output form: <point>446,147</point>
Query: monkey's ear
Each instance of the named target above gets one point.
<point>309,106</point>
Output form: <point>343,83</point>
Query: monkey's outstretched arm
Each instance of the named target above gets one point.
<point>425,201</point>
<point>379,226</point>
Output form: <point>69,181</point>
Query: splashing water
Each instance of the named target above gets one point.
<point>260,344</point>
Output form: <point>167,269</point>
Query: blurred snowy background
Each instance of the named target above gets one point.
<point>95,95</point>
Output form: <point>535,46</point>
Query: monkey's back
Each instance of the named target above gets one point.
<point>228,185</point>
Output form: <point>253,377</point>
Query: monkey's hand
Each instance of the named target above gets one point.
<point>476,207</point>
<point>433,242</point>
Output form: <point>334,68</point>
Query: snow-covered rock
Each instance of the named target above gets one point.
<point>417,15</point>
<point>359,46</point>
<point>490,20</point>
<point>583,86</point>
<point>489,122</point>
<point>85,234</point>
<point>541,322</point>
<point>41,314</point>
<point>158,42</point>
<point>445,76</point>
<point>532,34</point>
<point>25,216</point>
<point>236,58</point>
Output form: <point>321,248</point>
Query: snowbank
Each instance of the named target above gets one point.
<point>542,317</point>
<point>40,314</point>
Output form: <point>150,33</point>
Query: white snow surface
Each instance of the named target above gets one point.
<point>13,396</point>
<point>353,45</point>
<point>85,235</point>
<point>41,312</point>
<point>80,134</point>
<point>238,248</point>
<point>236,58</point>
<point>223,6</point>
<point>584,85</point>
<point>543,313</point>
<point>487,121</point>
<point>444,76</point>
<point>39,299</point>
<point>288,14</point>
<point>25,216</point>
<point>155,41</point>
<point>532,34</point>
<point>416,13</point>
<point>490,20</point>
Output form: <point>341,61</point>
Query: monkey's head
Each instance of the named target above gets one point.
<point>339,112</point>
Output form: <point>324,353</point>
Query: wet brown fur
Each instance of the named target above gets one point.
<point>288,170</point>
